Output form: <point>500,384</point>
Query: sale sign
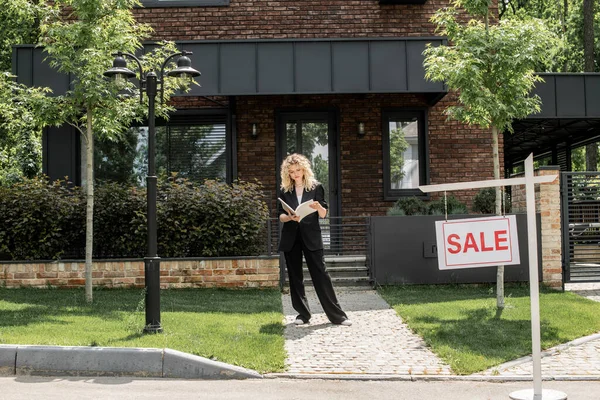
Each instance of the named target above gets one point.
<point>477,242</point>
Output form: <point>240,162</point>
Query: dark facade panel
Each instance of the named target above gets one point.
<point>275,68</point>
<point>313,67</point>
<point>388,66</point>
<point>205,58</point>
<point>570,96</point>
<point>44,75</point>
<point>61,154</point>
<point>592,96</point>
<point>307,66</point>
<point>23,65</point>
<point>237,66</point>
<point>547,92</point>
<point>350,67</point>
<point>415,68</point>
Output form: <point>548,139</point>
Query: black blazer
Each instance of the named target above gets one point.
<point>309,227</point>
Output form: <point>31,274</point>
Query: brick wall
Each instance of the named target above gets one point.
<point>267,19</point>
<point>261,272</point>
<point>457,152</point>
<point>547,203</point>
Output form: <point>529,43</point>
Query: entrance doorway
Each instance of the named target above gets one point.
<point>314,135</point>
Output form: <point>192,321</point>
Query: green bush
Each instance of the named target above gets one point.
<point>410,206</point>
<point>39,220</point>
<point>485,201</point>
<point>452,205</point>
<point>415,206</point>
<point>215,219</point>
<point>119,212</point>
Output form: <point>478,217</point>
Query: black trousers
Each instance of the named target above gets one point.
<point>320,278</point>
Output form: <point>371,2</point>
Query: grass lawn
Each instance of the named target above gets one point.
<point>461,324</point>
<point>240,327</point>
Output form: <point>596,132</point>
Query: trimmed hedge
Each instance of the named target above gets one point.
<point>42,221</point>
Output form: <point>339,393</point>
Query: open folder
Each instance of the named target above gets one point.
<point>302,210</point>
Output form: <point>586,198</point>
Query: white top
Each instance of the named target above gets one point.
<point>299,194</point>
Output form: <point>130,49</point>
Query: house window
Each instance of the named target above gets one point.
<point>195,148</point>
<point>184,3</point>
<point>405,160</point>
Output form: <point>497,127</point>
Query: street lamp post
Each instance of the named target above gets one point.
<point>151,84</point>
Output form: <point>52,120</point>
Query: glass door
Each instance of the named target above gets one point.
<point>314,135</point>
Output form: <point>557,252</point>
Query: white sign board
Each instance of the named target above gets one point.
<point>477,242</point>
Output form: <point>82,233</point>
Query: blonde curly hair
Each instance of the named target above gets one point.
<point>308,179</point>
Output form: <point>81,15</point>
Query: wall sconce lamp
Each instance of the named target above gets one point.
<point>254,131</point>
<point>361,129</point>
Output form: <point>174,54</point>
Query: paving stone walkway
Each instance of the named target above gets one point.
<point>379,343</point>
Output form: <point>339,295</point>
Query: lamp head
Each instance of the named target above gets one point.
<point>119,70</point>
<point>184,68</point>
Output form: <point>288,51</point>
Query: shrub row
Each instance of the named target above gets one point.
<point>483,203</point>
<point>41,220</point>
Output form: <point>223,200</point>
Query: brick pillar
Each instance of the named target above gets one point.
<point>548,205</point>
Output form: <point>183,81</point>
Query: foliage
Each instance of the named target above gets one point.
<point>408,206</point>
<point>565,19</point>
<point>118,214</point>
<point>19,20</point>
<point>22,112</point>
<point>451,205</point>
<point>415,206</point>
<point>484,201</point>
<point>39,220</point>
<point>492,67</point>
<point>398,146</point>
<point>215,219</point>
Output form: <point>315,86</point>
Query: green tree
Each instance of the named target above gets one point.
<point>492,70</point>
<point>22,114</point>
<point>80,39</point>
<point>20,130</point>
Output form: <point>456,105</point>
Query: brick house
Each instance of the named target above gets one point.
<point>335,80</point>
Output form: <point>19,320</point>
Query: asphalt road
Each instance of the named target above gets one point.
<point>71,388</point>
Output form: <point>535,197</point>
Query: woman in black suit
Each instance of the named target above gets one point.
<point>299,185</point>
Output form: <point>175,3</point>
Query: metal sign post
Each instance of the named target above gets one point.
<point>537,393</point>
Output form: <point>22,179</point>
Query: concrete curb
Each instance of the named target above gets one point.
<point>429,378</point>
<point>114,361</point>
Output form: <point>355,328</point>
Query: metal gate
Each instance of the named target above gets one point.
<point>580,194</point>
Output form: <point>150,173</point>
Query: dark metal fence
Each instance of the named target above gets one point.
<point>341,236</point>
<point>580,198</point>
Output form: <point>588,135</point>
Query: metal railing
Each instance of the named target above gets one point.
<point>342,236</point>
<point>581,226</point>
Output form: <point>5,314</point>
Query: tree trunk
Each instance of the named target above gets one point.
<point>89,212</point>
<point>591,150</point>
<point>500,269</point>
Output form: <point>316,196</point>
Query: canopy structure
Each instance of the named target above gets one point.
<point>282,67</point>
<point>569,117</point>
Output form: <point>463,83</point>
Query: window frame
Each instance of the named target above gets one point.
<point>184,3</point>
<point>388,114</point>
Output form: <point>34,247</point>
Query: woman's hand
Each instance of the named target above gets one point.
<point>320,209</point>
<point>288,217</point>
